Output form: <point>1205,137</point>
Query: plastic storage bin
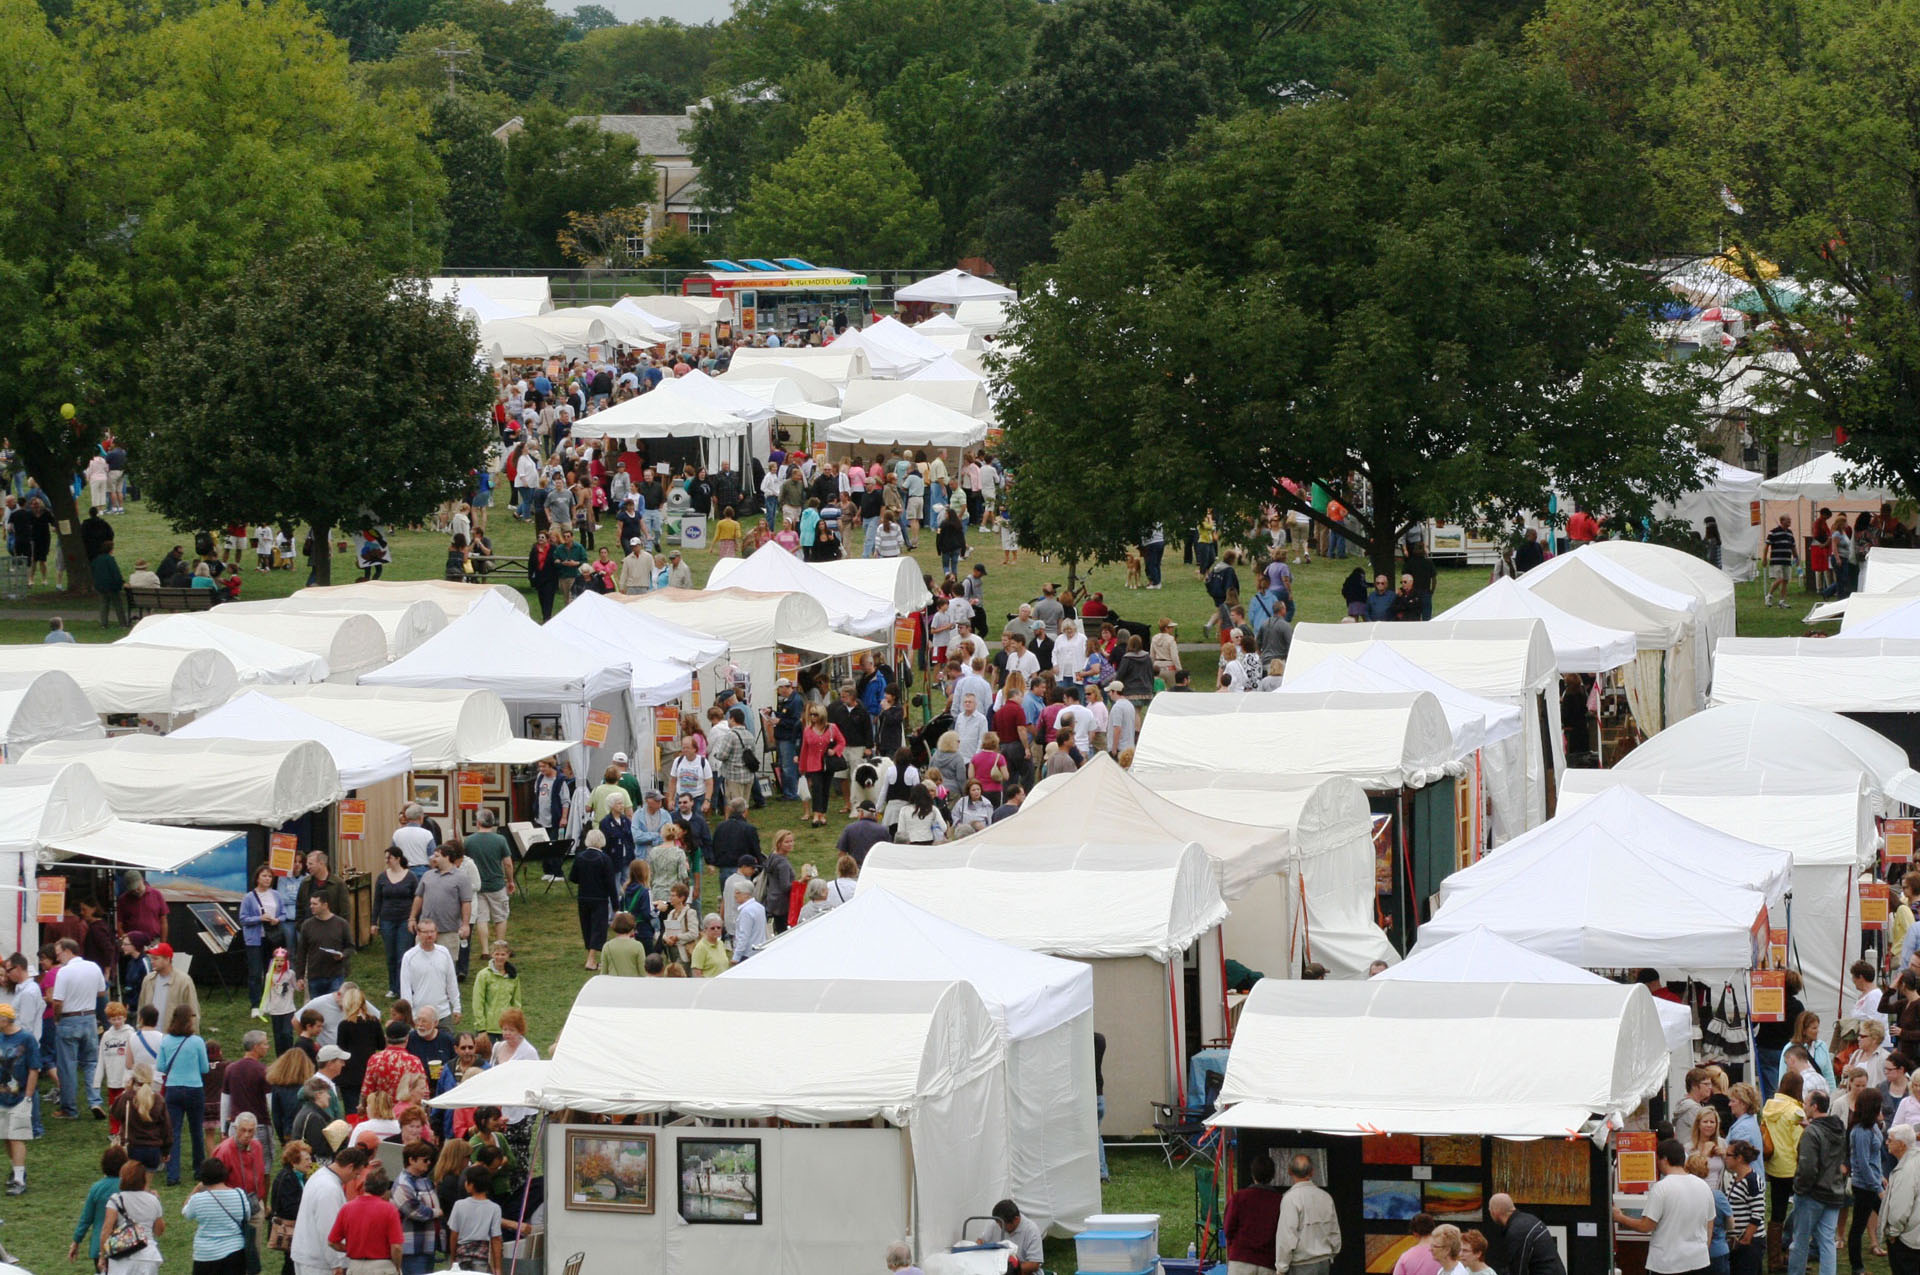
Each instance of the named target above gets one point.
<point>1117,1252</point>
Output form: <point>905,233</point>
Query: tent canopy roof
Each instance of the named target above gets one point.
<point>166,779</point>
<point>43,705</point>
<point>406,623</point>
<point>898,578</point>
<point>608,632</point>
<point>150,680</point>
<point>909,420</point>
<point>62,812</point>
<point>442,728</point>
<point>1148,898</point>
<point>835,364</point>
<point>878,935</point>
<point>1845,674</point>
<point>1681,572</point>
<point>1888,569</point>
<point>1606,1046</point>
<point>772,569</point>
<point>350,643</point>
<point>1579,646</point>
<point>1241,741</point>
<point>1474,720</point>
<point>1825,477</point>
<point>453,597</point>
<point>1487,657</point>
<point>1600,590</point>
<point>1739,737</point>
<point>724,396</point>
<point>1816,817</point>
<point>749,620</point>
<point>666,412</point>
<point>592,613</point>
<point>1318,813</point>
<point>951,287</point>
<point>255,659</point>
<point>1881,615</point>
<point>361,759</point>
<point>495,648</point>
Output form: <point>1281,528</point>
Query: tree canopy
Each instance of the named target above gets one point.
<point>555,168</point>
<point>843,193</point>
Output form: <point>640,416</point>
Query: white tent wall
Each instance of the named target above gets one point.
<point>1728,499</point>
<point>966,397</point>
<point>1888,569</point>
<point>1055,1166</point>
<point>1134,1008</point>
<point>1683,573</point>
<point>1839,675</point>
<point>1601,591</point>
<point>37,707</point>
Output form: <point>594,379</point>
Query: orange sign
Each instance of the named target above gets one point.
<point>472,786</point>
<point>283,848</point>
<point>353,824</point>
<point>1874,905</point>
<point>666,725</point>
<point>694,690</point>
<point>1767,996</point>
<point>787,664</point>
<point>1777,949</point>
<point>820,450</point>
<point>1636,1161</point>
<point>598,720</point>
<point>50,899</point>
<point>1753,513</point>
<point>1899,836</point>
<point>903,631</point>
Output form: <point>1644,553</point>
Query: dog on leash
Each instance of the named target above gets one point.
<point>1136,569</point>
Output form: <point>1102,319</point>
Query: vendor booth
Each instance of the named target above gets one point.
<point>255,659</point>
<point>967,397</point>
<point>362,760</point>
<point>1741,737</point>
<point>37,707</point>
<point>901,579</point>
<point>1506,660</point>
<point>454,597</point>
<point>835,364</point>
<point>406,623</point>
<point>1578,646</point>
<point>351,644</point>
<point>1874,681</point>
<point>1729,498</point>
<point>908,421</point>
<point>1043,1005</point>
<point>675,658</point>
<point>1823,820</point>
<point>1683,573</point>
<point>1146,916</point>
<point>1889,570</point>
<point>1547,1071</point>
<point>952,288</point>
<point>757,628</point>
<point>157,683</point>
<point>772,569</point>
<point>680,426</point>
<point>879,1114</point>
<point>1882,615</point>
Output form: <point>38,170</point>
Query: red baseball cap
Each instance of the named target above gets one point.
<point>161,949</point>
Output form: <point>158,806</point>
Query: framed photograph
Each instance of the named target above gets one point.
<point>430,792</point>
<point>541,726</point>
<point>610,1171</point>
<point>497,781</point>
<point>720,1181</point>
<point>469,819</point>
<point>220,931</point>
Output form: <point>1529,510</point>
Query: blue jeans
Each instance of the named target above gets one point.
<point>395,938</point>
<point>1808,1216</point>
<point>416,1264</point>
<point>1769,1069</point>
<point>789,767</point>
<point>950,564</point>
<point>1151,556</point>
<point>321,986</point>
<point>78,1049</point>
<point>187,1113</point>
<point>770,509</point>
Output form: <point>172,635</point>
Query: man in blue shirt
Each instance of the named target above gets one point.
<point>787,725</point>
<point>1380,601</point>
<point>19,1074</point>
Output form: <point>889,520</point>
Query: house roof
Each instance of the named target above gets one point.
<point>658,136</point>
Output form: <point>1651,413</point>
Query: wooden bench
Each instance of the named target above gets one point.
<point>151,601</point>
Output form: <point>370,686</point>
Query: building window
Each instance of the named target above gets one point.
<point>636,245</point>
<point>699,224</point>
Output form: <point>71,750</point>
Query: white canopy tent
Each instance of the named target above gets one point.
<point>772,569</point>
<point>37,707</point>
<point>406,623</point>
<point>1728,499</point>
<point>1623,882</point>
<point>755,626</point>
<point>201,782</point>
<point>682,313</point>
<point>1379,741</point>
<point>495,648</point>
<point>1825,477</point>
<point>941,325</point>
<point>517,294</point>
<point>675,411</point>
<point>1889,570</point>
<point>1578,646</point>
<point>952,287</point>
<point>504,340</point>
<point>966,397</point>
<point>255,659</point>
<point>606,633</point>
<point>1749,737</point>
<point>1880,615</point>
<point>132,681</point>
<point>1042,1004</point>
<point>946,368</point>
<point>1858,608</point>
<point>909,421</point>
<point>362,760</point>
<point>1131,910</point>
<point>51,813</point>
<point>1823,820</point>
<point>895,335</point>
<point>898,578</point>
<point>836,364</point>
<point>453,597</point>
<point>1606,1042</point>
<point>791,393</point>
<point>725,397</point>
<point>351,644</point>
<point>631,327</point>
<point>1683,573</point>
<point>592,615</point>
<point>1507,660</point>
<point>442,729</point>
<point>925,1058</point>
<point>885,359</point>
<point>987,317</point>
<point>1845,674</point>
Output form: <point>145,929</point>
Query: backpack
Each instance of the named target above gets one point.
<point>1217,583</point>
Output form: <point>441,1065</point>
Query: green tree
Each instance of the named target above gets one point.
<point>371,28</point>
<point>655,67</point>
<point>844,196</point>
<point>1405,296</point>
<point>475,206</point>
<point>588,18</point>
<point>1112,82</point>
<point>379,407</point>
<point>872,43</point>
<point>737,136</point>
<point>943,127</point>
<point>1287,51</point>
<point>519,41</point>
<point>555,168</point>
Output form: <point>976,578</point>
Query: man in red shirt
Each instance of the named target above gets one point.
<point>1253,1218</point>
<point>142,908</point>
<point>386,1069</point>
<point>367,1230</point>
<point>1582,528</point>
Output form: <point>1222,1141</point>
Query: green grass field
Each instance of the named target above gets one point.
<point>545,935</point>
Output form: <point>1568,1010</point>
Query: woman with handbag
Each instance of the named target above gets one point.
<point>223,1216</point>
<point>283,1199</point>
<point>142,1116</point>
<point>130,1237</point>
<point>183,1069</point>
<point>822,755</point>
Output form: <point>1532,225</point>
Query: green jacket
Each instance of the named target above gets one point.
<point>106,575</point>
<point>493,995</point>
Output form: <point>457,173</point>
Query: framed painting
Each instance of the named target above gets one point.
<point>720,1181</point>
<point>430,793</point>
<point>610,1170</point>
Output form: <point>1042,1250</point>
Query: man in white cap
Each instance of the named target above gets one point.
<point>636,569</point>
<point>785,723</point>
<point>1123,719</point>
<point>628,780</point>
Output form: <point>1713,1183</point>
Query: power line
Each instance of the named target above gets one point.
<point>451,55</point>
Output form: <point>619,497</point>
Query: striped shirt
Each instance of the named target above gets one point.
<point>1780,546</point>
<point>1748,1201</point>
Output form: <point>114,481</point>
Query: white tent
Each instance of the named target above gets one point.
<point>1608,1055</point>
<point>836,364</point>
<point>951,287</point>
<point>146,681</point>
<point>901,579</point>
<point>1825,477</point>
<point>941,325</point>
<point>924,1058</point>
<point>60,812</point>
<point>1622,881</point>
<point>505,339</point>
<point>443,729</point>
<point>495,648</point>
<point>772,569</point>
<point>945,368</point>
<point>201,782</point>
<point>519,294</point>
<point>1888,570</point>
<point>255,659</point>
<point>1858,608</point>
<point>755,627</point>
<point>609,632</point>
<point>988,318</point>
<point>1683,573</point>
<point>1668,678</point>
<point>1578,646</point>
<point>1131,909</point>
<point>680,313</point>
<point>1043,1004</point>
<point>350,644</point>
<point>895,335</point>
<point>406,623</point>
<point>1378,741</point>
<point>810,384</point>
<point>724,396</point>
<point>1507,660</point>
<point>1845,674</point>
<point>453,597</point>
<point>886,360</point>
<point>1306,840</point>
<point>1728,499</point>
<point>591,614</point>
<point>629,326</point>
<point>1824,820</point>
<point>909,421</point>
<point>37,707</point>
<point>672,410</point>
<point>1742,737</point>
<point>789,397</point>
<point>968,398</point>
<point>362,760</point>
<point>1886,615</point>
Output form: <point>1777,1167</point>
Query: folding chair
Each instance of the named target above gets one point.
<point>559,858</point>
<point>1181,1130</point>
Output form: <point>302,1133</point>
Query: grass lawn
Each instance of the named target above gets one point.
<point>39,1224</point>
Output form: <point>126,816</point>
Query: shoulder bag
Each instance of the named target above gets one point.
<point>129,1237</point>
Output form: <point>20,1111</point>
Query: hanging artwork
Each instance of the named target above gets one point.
<point>1389,1148</point>
<point>1463,1152</point>
<point>1544,1171</point>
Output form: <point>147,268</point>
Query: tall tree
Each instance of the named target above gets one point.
<point>1112,82</point>
<point>1405,296</point>
<point>943,127</point>
<point>475,207</point>
<point>519,41</point>
<point>378,406</point>
<point>1288,51</point>
<point>740,134</point>
<point>555,168</point>
<point>845,196</point>
<point>657,67</point>
<point>872,43</point>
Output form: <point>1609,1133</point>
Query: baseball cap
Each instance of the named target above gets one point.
<point>747,861</point>
<point>785,681</point>
<point>620,758</point>
<point>332,1053</point>
<point>674,554</point>
<point>6,1012</point>
<point>1116,685</point>
<point>632,541</point>
<point>867,807</point>
<point>161,949</point>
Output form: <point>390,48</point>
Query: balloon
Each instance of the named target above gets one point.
<point>66,410</point>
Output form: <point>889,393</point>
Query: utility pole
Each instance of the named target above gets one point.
<point>451,55</point>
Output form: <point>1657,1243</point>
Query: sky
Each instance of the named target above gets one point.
<point>690,12</point>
